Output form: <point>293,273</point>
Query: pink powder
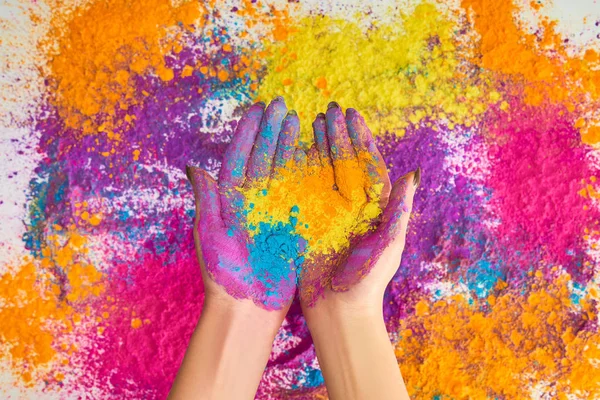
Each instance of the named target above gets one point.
<point>538,167</point>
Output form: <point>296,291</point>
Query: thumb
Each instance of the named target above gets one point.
<point>387,240</point>
<point>206,195</point>
<point>394,221</point>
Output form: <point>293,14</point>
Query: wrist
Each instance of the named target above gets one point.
<point>232,342</point>
<point>330,320</point>
<point>342,307</point>
<point>242,316</point>
<point>354,351</point>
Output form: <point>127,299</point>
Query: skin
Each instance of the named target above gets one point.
<point>239,320</point>
<point>263,138</point>
<point>346,323</point>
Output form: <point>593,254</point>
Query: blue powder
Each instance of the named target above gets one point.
<point>577,292</point>
<point>314,377</point>
<point>275,250</point>
<point>482,277</point>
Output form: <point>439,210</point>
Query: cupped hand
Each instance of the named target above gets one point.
<point>355,276</point>
<point>238,259</point>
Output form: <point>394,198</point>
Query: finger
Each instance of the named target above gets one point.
<point>312,157</point>
<point>288,139</point>
<point>208,204</point>
<point>394,220</point>
<point>321,142</point>
<point>233,169</point>
<point>341,150</point>
<point>263,152</point>
<point>300,160</point>
<point>340,146</point>
<point>378,185</point>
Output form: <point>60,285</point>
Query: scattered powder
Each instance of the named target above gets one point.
<point>394,76</point>
<point>494,116</point>
<point>100,50</point>
<point>539,169</point>
<point>538,61</point>
<point>42,299</point>
<point>503,345</point>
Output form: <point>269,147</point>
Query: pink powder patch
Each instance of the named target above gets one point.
<point>538,167</point>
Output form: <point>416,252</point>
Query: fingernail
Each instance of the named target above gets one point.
<point>261,103</point>
<point>417,178</point>
<point>350,111</point>
<point>332,105</point>
<point>278,98</point>
<point>320,115</point>
<point>292,112</point>
<point>188,172</point>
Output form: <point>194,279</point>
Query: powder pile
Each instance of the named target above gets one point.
<point>326,208</point>
<point>103,47</point>
<point>499,114</point>
<point>395,76</point>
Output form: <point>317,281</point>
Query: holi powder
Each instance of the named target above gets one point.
<point>104,103</point>
<point>308,201</point>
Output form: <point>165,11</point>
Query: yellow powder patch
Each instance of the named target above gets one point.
<point>461,352</point>
<point>101,45</point>
<point>326,217</point>
<point>35,310</point>
<point>395,76</point>
<point>506,48</point>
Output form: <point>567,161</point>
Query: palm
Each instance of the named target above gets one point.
<point>245,261</point>
<point>346,158</point>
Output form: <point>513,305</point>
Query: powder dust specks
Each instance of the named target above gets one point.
<point>114,98</point>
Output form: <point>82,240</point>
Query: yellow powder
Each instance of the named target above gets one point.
<point>394,77</point>
<point>326,217</point>
<point>456,350</point>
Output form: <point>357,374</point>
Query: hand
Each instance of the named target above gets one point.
<point>236,262</point>
<point>249,281</point>
<point>357,275</point>
<point>342,293</point>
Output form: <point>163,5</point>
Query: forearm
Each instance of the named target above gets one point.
<point>355,355</point>
<point>230,344</point>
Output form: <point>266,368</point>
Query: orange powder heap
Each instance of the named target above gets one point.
<point>326,217</point>
<point>102,45</point>
<point>454,348</point>
<point>507,48</point>
<point>36,312</point>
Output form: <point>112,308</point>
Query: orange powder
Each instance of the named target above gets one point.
<point>453,348</point>
<point>36,311</point>
<point>326,217</point>
<point>99,48</point>
<point>278,21</point>
<point>508,49</point>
